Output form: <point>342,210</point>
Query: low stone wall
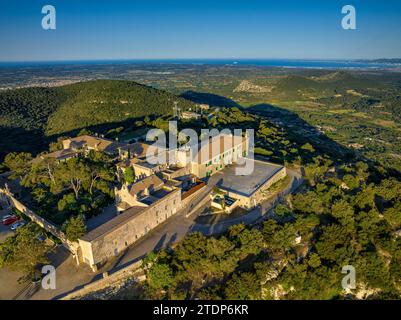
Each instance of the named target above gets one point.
<point>133,270</point>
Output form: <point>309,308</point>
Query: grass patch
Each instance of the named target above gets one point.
<point>385,123</point>
<point>360,115</point>
<point>341,111</point>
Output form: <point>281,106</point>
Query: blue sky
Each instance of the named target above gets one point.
<point>164,29</point>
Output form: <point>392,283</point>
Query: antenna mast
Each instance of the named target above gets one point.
<point>177,110</point>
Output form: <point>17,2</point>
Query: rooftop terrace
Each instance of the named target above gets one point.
<point>246,185</point>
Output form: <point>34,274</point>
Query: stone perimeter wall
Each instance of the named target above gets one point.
<point>47,225</point>
<point>134,270</point>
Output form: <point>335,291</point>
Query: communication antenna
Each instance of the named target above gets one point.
<point>176,110</point>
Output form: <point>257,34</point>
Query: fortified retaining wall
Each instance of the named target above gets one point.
<point>132,271</point>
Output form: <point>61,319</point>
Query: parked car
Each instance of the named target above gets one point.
<point>17,225</point>
<point>6,217</point>
<point>9,219</point>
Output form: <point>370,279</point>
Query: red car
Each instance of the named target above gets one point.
<point>7,220</point>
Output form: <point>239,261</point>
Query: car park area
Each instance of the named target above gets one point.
<point>5,231</point>
<point>12,223</point>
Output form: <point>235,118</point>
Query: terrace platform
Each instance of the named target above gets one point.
<point>246,185</point>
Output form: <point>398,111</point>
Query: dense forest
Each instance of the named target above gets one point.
<point>348,212</point>
<point>30,115</point>
<point>340,130</point>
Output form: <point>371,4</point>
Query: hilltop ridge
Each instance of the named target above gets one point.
<point>29,115</point>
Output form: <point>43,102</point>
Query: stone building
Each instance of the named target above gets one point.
<point>87,143</point>
<point>143,169</point>
<point>190,115</point>
<point>137,193</point>
<point>214,155</point>
<point>114,236</point>
<point>250,190</point>
<point>59,156</point>
<point>162,190</point>
<point>135,150</point>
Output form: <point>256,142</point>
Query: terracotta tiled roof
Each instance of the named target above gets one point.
<point>152,182</point>
<point>58,155</point>
<point>96,143</point>
<point>136,149</point>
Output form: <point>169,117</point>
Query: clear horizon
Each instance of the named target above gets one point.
<point>196,59</point>
<point>189,30</point>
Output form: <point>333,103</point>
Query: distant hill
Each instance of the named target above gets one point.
<point>29,108</point>
<point>383,60</point>
<point>336,76</point>
<point>339,79</point>
<point>29,115</point>
<point>61,109</point>
<point>293,86</point>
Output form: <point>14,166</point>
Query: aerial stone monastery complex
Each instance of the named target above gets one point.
<point>161,190</point>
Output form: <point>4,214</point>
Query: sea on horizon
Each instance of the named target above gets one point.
<point>283,63</point>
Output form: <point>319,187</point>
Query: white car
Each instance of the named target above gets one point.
<point>6,217</point>
<point>17,225</point>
